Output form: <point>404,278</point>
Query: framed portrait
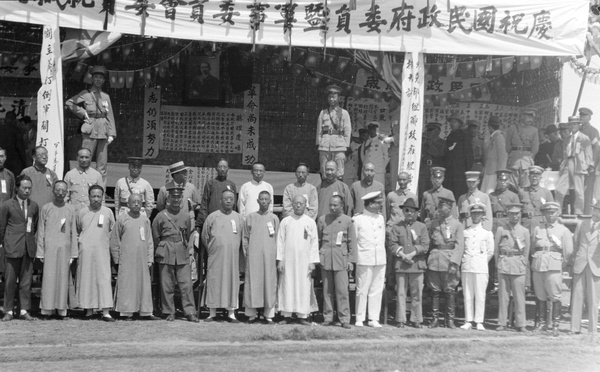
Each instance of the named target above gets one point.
<point>203,83</point>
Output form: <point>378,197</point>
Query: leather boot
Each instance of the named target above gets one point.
<point>540,316</point>
<point>450,306</point>
<point>549,313</point>
<point>556,310</point>
<point>435,310</point>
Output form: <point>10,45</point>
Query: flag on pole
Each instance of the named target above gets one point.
<point>82,44</point>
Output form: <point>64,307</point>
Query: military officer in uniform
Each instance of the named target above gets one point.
<point>429,208</point>
<point>585,114</point>
<point>408,243</point>
<point>432,154</point>
<point>501,197</point>
<point>578,163</point>
<point>134,184</point>
<point>333,132</point>
<point>473,195</point>
<point>522,143</point>
<point>375,151</point>
<point>94,107</point>
<point>552,248</point>
<point>495,156</point>
<point>512,243</point>
<point>536,196</point>
<point>443,263</point>
<point>586,273</point>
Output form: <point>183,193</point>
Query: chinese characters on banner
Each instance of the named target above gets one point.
<point>364,110</point>
<point>411,117</point>
<point>23,66</point>
<point>22,106</point>
<point>50,100</point>
<point>201,129</point>
<point>151,122</point>
<point>508,27</point>
<point>251,121</point>
<point>481,112</point>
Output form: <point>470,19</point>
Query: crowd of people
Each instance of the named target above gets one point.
<point>503,234</point>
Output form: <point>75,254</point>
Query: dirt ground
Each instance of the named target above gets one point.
<point>173,346</point>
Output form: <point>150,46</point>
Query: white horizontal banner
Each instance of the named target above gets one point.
<point>510,27</point>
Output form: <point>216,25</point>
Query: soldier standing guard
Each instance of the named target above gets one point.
<point>522,143</point>
<point>134,184</point>
<point>443,264</point>
<point>333,132</point>
<point>552,248</point>
<point>512,244</point>
<point>429,208</point>
<point>432,153</point>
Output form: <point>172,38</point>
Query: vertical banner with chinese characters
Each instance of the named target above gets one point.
<point>151,122</point>
<point>50,100</point>
<point>411,116</point>
<point>251,122</point>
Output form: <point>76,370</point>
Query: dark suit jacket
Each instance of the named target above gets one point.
<point>13,228</point>
<point>587,251</point>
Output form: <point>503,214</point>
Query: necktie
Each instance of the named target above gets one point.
<point>573,145</point>
<point>24,208</point>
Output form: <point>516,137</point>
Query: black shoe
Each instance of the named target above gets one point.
<point>418,325</point>
<point>7,317</point>
<point>210,319</point>
<point>303,322</point>
<point>232,320</point>
<point>254,321</point>
<point>150,317</point>
<point>327,324</point>
<point>521,329</point>
<point>192,318</point>
<point>346,326</point>
<point>46,317</point>
<point>400,325</point>
<point>285,321</point>
<point>501,329</point>
<point>108,319</point>
<point>170,317</point>
<point>127,318</point>
<point>27,317</point>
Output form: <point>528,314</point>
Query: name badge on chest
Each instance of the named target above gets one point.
<point>3,182</point>
<point>448,233</point>
<point>339,238</point>
<point>271,228</point>
<point>414,235</point>
<point>101,220</point>
<point>233,227</point>
<point>49,179</point>
<point>62,224</point>
<point>142,233</point>
<point>520,244</point>
<point>29,224</point>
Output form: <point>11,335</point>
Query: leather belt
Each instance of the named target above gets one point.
<point>500,215</point>
<point>444,247</point>
<point>546,249</point>
<point>520,148</point>
<point>330,131</point>
<point>97,116</point>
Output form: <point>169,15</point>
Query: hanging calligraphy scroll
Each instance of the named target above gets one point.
<point>251,123</point>
<point>411,117</point>
<point>151,122</point>
<point>50,100</point>
<point>508,27</point>
<point>201,129</point>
